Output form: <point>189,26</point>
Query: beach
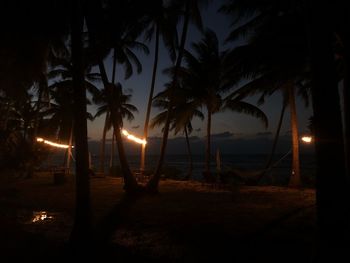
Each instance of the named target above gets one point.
<point>186,222</point>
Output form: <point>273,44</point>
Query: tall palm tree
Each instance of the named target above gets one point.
<point>191,11</point>
<point>123,54</point>
<point>274,58</point>
<point>106,106</point>
<point>162,20</point>
<point>80,234</point>
<point>123,41</point>
<point>116,103</point>
<point>332,182</point>
<point>101,39</point>
<point>182,115</point>
<point>207,76</point>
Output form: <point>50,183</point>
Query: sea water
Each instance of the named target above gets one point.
<point>179,162</point>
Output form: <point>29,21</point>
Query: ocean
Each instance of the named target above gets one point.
<point>177,164</point>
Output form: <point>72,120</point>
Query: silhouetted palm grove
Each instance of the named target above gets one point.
<point>53,64</point>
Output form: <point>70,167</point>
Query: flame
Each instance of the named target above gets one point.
<point>306,139</point>
<point>64,146</point>
<point>133,138</point>
<point>40,216</point>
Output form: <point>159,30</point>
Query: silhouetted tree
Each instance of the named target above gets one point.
<point>182,114</point>
<point>191,11</point>
<point>162,19</point>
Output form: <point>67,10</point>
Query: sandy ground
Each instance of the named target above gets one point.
<point>186,222</point>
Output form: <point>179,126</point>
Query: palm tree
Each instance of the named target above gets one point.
<point>275,58</point>
<point>162,20</point>
<point>102,40</point>
<point>106,106</point>
<point>332,182</point>
<point>123,54</point>
<point>62,92</point>
<point>80,234</point>
<point>116,103</point>
<point>182,115</point>
<point>190,11</point>
<point>123,43</point>
<point>207,76</point>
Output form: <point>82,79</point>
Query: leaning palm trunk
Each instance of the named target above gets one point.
<point>131,185</point>
<point>295,176</point>
<point>268,165</point>
<point>103,146</point>
<point>114,69</point>
<point>152,185</point>
<point>81,233</point>
<point>207,149</point>
<point>275,140</point>
<point>190,160</point>
<point>150,98</point>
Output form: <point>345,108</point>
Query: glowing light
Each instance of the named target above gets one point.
<point>133,138</point>
<point>64,146</point>
<point>307,139</point>
<point>40,216</point>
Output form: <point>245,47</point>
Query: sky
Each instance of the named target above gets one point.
<point>238,126</point>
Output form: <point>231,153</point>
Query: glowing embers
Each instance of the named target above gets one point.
<point>58,145</point>
<point>307,139</point>
<point>133,138</point>
<point>40,216</point>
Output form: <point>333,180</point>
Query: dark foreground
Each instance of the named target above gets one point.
<point>187,222</point>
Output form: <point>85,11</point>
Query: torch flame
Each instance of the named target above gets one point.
<point>306,139</point>
<point>40,216</point>
<point>64,146</point>
<point>133,138</point>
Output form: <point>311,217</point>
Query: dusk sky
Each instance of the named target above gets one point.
<point>239,125</point>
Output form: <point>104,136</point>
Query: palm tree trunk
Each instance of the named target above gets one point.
<point>295,180</point>
<point>130,185</point>
<point>190,160</point>
<point>207,148</point>
<point>69,150</point>
<point>152,185</point>
<point>114,69</point>
<point>150,98</point>
<point>275,140</point>
<point>111,159</point>
<point>346,101</point>
<point>82,224</point>
<point>332,182</point>
<point>103,146</point>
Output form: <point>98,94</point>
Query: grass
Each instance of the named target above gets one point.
<point>186,222</point>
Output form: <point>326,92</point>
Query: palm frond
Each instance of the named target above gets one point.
<point>247,108</point>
